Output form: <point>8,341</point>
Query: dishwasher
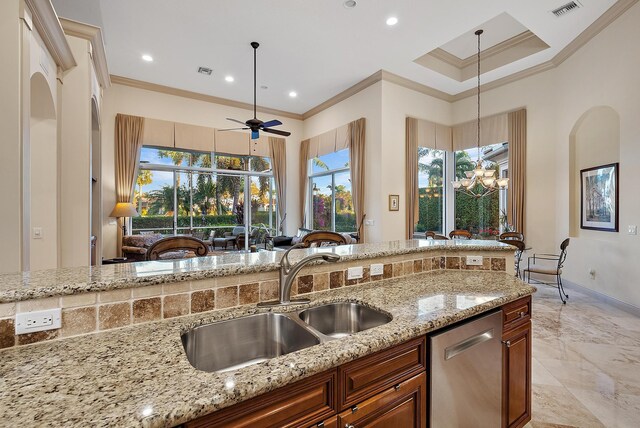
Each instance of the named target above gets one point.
<point>466,374</point>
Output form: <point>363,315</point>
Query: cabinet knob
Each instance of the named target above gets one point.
<point>354,409</point>
<point>522,314</point>
<point>397,387</point>
<point>507,342</point>
<point>349,426</point>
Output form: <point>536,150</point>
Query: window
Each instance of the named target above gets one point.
<point>181,192</point>
<point>331,203</point>
<point>431,173</point>
<point>483,217</point>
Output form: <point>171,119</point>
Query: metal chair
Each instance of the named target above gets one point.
<point>460,234</point>
<point>518,254</point>
<point>550,270</point>
<point>511,235</point>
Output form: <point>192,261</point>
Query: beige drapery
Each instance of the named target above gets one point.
<point>517,124</point>
<point>411,175</point>
<point>278,154</point>
<point>128,142</point>
<point>493,129</point>
<point>304,178</point>
<point>356,140</point>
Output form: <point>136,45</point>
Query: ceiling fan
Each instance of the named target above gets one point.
<point>255,124</point>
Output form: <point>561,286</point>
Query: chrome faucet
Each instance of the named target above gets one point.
<point>288,275</point>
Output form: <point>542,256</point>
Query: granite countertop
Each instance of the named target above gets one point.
<point>140,376</point>
<point>57,282</point>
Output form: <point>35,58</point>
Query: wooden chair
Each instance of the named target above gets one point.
<point>519,244</point>
<point>460,234</point>
<point>554,269</point>
<point>431,235</point>
<point>175,244</point>
<point>319,237</point>
<point>511,235</point>
<point>440,237</point>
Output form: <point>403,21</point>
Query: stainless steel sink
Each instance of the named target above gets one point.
<point>342,319</point>
<point>232,344</point>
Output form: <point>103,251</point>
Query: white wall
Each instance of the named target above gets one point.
<point>604,72</point>
<point>139,102</point>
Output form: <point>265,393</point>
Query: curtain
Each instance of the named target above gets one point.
<point>356,135</point>
<point>278,152</point>
<point>493,129</point>
<point>303,178</point>
<point>128,136</point>
<point>517,169</point>
<point>411,176</point>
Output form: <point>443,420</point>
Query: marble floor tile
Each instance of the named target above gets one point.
<point>586,363</point>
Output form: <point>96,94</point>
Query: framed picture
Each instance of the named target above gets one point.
<point>599,198</point>
<point>394,202</point>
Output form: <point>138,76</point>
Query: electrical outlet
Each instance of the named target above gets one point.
<point>354,272</point>
<point>377,269</point>
<point>633,229</point>
<point>369,222</point>
<point>474,260</point>
<point>30,322</point>
<point>37,233</point>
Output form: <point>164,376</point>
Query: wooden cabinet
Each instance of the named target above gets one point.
<point>332,422</point>
<point>304,403</point>
<point>402,405</point>
<point>516,366</point>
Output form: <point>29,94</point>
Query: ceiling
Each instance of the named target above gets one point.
<point>315,48</point>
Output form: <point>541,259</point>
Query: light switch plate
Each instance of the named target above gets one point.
<point>633,229</point>
<point>30,322</point>
<point>377,269</point>
<point>355,272</point>
<point>474,260</point>
<point>37,233</point>
<point>369,222</point>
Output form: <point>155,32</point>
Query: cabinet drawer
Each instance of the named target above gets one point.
<point>402,405</point>
<point>302,404</point>
<point>370,375</point>
<point>516,313</point>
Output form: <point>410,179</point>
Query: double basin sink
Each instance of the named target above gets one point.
<point>232,344</point>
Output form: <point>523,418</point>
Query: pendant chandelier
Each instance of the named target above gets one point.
<point>480,182</point>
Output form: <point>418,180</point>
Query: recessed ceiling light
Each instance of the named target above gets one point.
<point>293,94</point>
<point>392,20</point>
<point>350,4</point>
<point>229,79</point>
<point>147,57</point>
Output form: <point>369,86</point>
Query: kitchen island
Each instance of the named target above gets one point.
<point>139,375</point>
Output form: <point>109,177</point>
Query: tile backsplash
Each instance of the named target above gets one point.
<point>92,312</point>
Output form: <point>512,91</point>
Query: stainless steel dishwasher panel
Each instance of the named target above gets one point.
<point>466,374</point>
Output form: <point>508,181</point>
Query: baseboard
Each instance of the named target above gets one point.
<point>627,307</point>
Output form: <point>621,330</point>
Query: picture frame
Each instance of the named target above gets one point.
<point>599,198</point>
<point>394,202</point>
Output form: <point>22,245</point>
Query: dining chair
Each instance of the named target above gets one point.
<point>520,246</point>
<point>511,235</point>
<point>542,266</point>
<point>440,237</point>
<point>323,238</point>
<point>430,235</point>
<point>460,234</point>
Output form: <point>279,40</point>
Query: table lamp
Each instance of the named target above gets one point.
<point>123,210</point>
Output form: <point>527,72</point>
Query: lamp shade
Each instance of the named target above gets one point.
<point>124,209</point>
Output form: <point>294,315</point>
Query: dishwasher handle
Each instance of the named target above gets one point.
<point>460,347</point>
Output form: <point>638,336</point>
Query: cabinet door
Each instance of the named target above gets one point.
<point>516,392</point>
<point>403,405</point>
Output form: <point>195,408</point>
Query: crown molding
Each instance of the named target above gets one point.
<point>139,84</point>
<point>418,87</point>
<point>46,22</point>
<point>94,36</point>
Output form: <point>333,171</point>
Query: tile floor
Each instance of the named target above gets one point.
<point>586,363</point>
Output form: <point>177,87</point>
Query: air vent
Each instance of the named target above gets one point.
<point>205,70</point>
<point>562,10</point>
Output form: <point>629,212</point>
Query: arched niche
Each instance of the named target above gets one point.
<point>593,141</point>
<point>43,176</point>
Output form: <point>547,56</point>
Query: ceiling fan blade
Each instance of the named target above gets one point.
<point>236,121</point>
<point>231,129</point>
<point>271,123</point>
<point>277,132</point>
